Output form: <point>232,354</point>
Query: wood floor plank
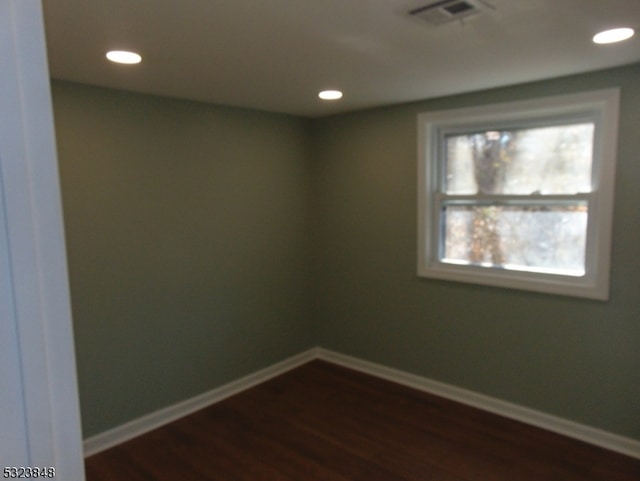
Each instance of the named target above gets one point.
<point>323,422</point>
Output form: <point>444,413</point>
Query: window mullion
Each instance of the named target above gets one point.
<point>497,199</point>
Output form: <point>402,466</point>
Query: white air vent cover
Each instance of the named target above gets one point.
<point>446,11</point>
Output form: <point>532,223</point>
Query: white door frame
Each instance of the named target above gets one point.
<point>39,409</point>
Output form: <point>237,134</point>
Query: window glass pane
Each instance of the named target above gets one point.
<point>536,238</point>
<point>547,160</point>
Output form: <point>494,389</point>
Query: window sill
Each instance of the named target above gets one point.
<point>566,285</point>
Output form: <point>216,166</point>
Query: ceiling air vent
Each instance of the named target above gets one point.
<point>446,11</point>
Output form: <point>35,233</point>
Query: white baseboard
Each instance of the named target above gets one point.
<point>597,437</point>
<point>125,432</point>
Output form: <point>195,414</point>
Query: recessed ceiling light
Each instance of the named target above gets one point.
<point>122,56</point>
<point>330,95</point>
<point>613,35</point>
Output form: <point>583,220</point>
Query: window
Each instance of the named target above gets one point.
<point>520,194</point>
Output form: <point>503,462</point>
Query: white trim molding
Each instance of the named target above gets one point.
<point>156,419</point>
<point>40,389</point>
<point>588,434</point>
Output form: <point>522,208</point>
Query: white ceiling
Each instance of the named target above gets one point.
<point>276,55</point>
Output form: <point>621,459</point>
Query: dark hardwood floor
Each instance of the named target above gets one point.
<point>322,422</point>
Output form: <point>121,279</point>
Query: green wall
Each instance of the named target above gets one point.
<point>187,238</point>
<point>205,243</point>
<point>573,358</point>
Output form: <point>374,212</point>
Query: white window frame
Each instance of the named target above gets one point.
<point>601,107</point>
